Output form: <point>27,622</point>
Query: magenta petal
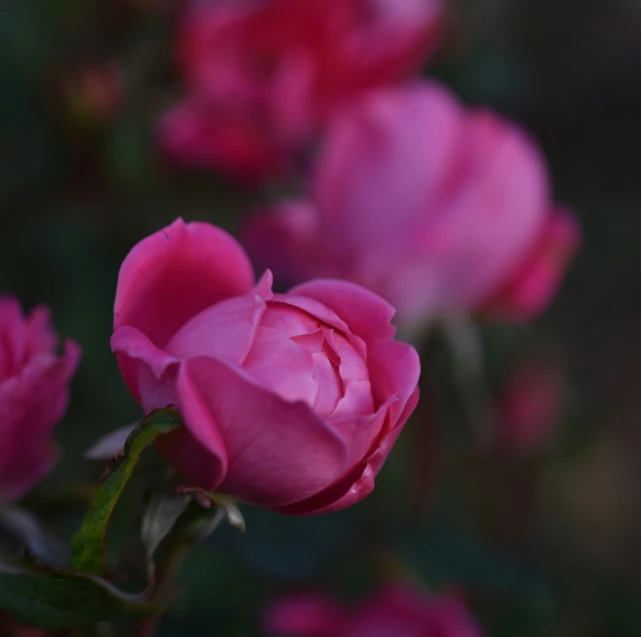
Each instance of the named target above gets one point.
<point>140,360</point>
<point>394,371</point>
<point>33,405</point>
<point>174,274</point>
<point>13,337</point>
<point>40,333</point>
<point>366,313</point>
<point>197,452</point>
<point>279,452</point>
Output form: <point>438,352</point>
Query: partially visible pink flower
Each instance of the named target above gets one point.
<point>290,401</point>
<point>273,70</point>
<point>396,611</point>
<point>530,408</point>
<point>9,627</point>
<point>438,208</point>
<point>34,392</point>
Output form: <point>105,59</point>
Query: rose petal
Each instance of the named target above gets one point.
<point>141,363</point>
<point>366,313</point>
<point>283,366</point>
<point>174,274</point>
<point>531,287</point>
<point>225,330</point>
<point>13,337</point>
<point>289,440</point>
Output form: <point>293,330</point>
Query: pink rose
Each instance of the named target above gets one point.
<point>34,392</point>
<point>437,208</point>
<point>262,74</point>
<point>397,611</point>
<point>290,401</point>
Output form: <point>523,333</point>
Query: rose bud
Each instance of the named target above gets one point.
<point>34,393</point>
<point>438,208</point>
<point>290,401</point>
<point>396,611</point>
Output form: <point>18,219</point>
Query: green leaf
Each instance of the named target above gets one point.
<point>88,546</point>
<point>160,517</point>
<point>55,599</point>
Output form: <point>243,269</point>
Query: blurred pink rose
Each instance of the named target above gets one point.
<point>262,74</point>
<point>9,627</point>
<point>530,407</point>
<point>437,208</point>
<point>34,392</point>
<point>290,401</point>
<point>397,611</point>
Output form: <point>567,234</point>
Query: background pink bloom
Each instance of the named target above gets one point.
<point>272,70</point>
<point>396,611</point>
<point>290,401</point>
<point>9,627</point>
<point>530,407</point>
<point>34,392</point>
<point>437,208</point>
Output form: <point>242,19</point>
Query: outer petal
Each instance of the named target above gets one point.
<point>142,364</point>
<point>279,452</point>
<point>14,343</point>
<point>528,292</point>
<point>394,370</point>
<point>35,402</point>
<point>174,274</point>
<point>366,314</point>
<point>384,157</point>
<point>357,484</point>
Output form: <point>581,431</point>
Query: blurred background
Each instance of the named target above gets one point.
<point>542,543</point>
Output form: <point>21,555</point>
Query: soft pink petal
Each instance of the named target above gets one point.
<point>225,330</point>
<point>269,441</point>
<point>289,320</point>
<point>382,159</point>
<point>492,215</point>
<point>366,314</point>
<point>282,366</point>
<point>329,385</point>
<point>174,274</point>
